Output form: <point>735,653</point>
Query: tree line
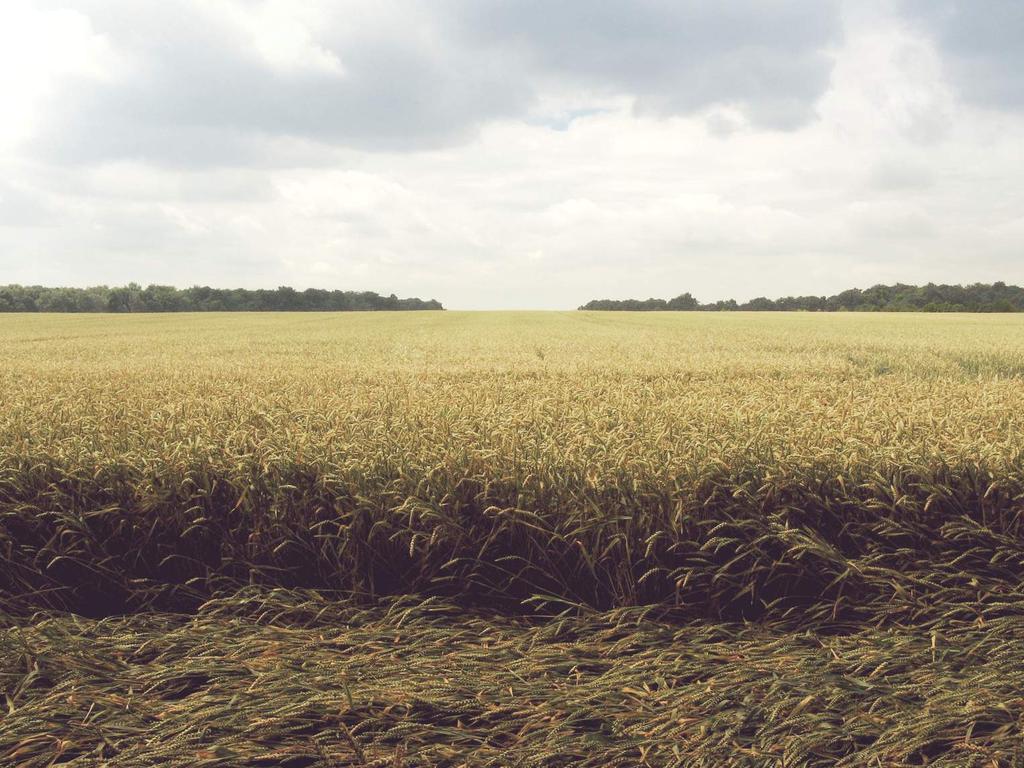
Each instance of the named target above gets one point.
<point>978,297</point>
<point>165,298</point>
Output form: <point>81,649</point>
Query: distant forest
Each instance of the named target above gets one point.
<point>979,297</point>
<point>165,298</point>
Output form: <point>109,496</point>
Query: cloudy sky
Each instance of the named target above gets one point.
<point>512,153</point>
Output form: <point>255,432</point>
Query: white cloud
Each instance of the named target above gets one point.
<point>282,33</point>
<point>39,51</point>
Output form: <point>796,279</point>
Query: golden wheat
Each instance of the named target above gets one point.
<point>828,474</point>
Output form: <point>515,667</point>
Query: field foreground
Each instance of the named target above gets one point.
<point>532,539</point>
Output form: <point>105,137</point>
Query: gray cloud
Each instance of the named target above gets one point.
<point>981,46</point>
<point>195,91</point>
<point>673,56</point>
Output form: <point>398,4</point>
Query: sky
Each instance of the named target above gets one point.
<point>521,154</point>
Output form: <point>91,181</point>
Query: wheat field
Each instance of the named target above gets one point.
<point>496,539</point>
